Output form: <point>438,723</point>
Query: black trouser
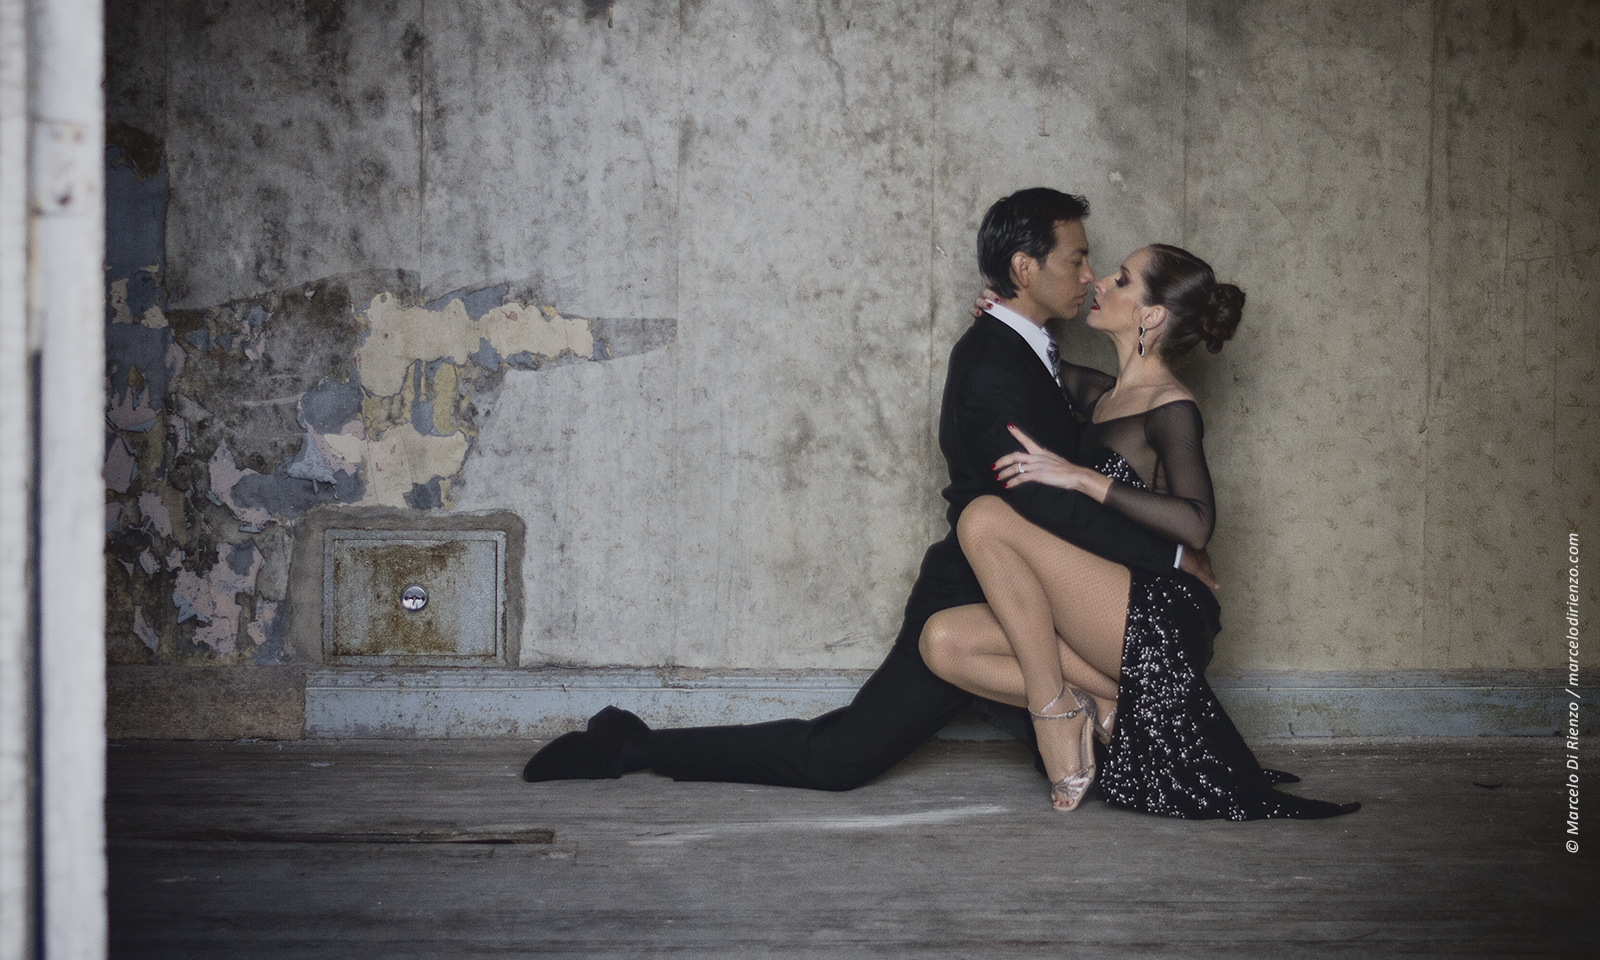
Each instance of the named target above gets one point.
<point>900,707</point>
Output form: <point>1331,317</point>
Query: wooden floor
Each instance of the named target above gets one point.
<point>307,849</point>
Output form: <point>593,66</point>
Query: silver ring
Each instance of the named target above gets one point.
<point>1022,468</point>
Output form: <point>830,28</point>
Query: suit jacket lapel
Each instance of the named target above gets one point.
<point>1036,379</point>
<point>1027,362</point>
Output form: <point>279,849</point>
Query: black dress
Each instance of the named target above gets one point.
<point>1174,751</point>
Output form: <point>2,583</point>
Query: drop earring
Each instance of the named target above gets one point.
<point>1141,341</point>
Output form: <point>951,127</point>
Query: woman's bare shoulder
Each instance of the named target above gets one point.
<point>1170,393</point>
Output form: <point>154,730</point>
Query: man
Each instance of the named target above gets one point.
<point>1033,251</point>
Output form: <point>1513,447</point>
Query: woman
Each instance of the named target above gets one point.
<point>1093,648</point>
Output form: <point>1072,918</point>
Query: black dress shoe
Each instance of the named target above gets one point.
<point>619,724</point>
<point>597,753</point>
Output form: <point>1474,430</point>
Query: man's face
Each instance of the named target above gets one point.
<point>1061,281</point>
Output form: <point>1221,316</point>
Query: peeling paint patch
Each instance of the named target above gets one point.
<point>157,517</point>
<point>400,459</point>
<point>213,600</point>
<point>226,423</point>
<point>330,405</point>
<point>401,335</point>
<point>136,192</point>
<point>141,357</point>
<point>225,475</point>
<point>189,597</point>
<point>120,466</point>
<point>476,302</point>
<point>143,632</point>
<point>285,497</point>
<point>180,434</point>
<point>228,579</point>
<point>117,301</point>
<point>312,464</point>
<point>132,412</point>
<point>266,631</point>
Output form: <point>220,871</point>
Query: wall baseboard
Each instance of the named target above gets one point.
<point>448,703</point>
<point>1396,703</point>
<point>544,703</point>
<point>205,703</point>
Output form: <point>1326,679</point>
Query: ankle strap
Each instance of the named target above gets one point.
<point>1041,715</point>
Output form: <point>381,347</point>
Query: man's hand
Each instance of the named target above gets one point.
<point>1198,562</point>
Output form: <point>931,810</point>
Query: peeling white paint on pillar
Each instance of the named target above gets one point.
<point>66,304</point>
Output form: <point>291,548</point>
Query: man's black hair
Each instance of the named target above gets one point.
<point>1024,221</point>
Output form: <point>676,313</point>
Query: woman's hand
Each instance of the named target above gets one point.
<point>1038,465</point>
<point>984,302</point>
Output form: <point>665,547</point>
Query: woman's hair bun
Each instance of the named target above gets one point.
<point>1223,310</point>
<point>1199,309</point>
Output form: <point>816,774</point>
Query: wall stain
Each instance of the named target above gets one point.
<point>389,630</point>
<point>225,424</point>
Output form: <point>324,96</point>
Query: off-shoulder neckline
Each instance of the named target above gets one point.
<point>1128,416</point>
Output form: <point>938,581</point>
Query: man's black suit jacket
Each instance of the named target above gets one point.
<point>996,379</point>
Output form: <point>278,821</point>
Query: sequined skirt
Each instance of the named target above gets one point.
<point>1174,751</point>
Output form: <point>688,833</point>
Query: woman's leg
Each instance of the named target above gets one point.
<point>1039,585</point>
<point>967,647</point>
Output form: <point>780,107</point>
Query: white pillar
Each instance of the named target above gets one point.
<point>16,467</point>
<point>56,315</point>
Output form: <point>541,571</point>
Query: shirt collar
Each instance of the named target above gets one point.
<point>1038,337</point>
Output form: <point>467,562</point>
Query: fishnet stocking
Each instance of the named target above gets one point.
<point>967,646</point>
<point>1039,586</point>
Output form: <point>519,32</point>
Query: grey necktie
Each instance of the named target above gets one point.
<point>1054,356</point>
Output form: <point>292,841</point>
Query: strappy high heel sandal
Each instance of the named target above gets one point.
<point>1066,792</point>
<point>1107,724</point>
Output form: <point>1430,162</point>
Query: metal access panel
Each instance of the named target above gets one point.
<point>414,597</point>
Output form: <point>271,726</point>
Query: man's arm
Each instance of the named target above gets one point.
<point>988,405</point>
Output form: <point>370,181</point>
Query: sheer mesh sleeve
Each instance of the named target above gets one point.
<point>1084,386</point>
<point>979,403</point>
<point>1179,504</point>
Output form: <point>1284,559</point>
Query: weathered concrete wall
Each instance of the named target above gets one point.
<point>1407,436</point>
<point>675,283</point>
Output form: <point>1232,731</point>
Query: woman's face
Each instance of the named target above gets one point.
<point>1119,297</point>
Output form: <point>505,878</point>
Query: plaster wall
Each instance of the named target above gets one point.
<point>675,284</point>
